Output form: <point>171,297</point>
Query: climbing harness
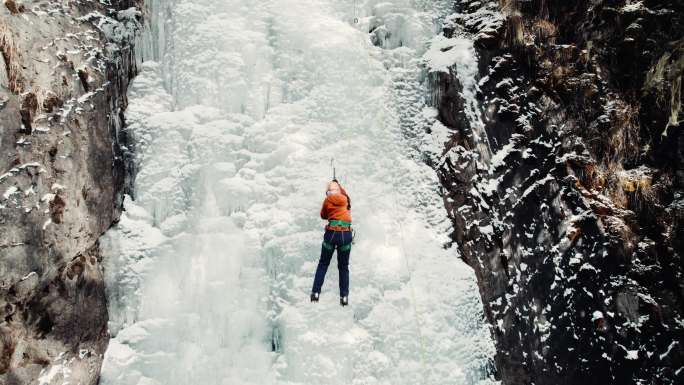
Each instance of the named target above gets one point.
<point>336,225</point>
<point>329,246</point>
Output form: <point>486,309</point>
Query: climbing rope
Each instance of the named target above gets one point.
<point>412,291</point>
<point>416,315</point>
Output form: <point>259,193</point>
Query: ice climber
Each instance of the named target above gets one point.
<point>338,235</point>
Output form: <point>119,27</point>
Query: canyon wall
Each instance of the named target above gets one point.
<point>566,194</point>
<point>64,70</point>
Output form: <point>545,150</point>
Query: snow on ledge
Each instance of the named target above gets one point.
<point>445,52</point>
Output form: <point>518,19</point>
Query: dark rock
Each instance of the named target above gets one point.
<point>581,274</point>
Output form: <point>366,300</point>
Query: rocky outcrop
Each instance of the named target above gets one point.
<point>64,70</point>
<point>567,197</point>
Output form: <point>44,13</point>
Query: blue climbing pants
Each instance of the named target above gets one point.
<point>340,240</point>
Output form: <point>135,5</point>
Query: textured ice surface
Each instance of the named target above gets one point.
<point>234,125</point>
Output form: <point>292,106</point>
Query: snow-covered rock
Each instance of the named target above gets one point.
<point>565,188</point>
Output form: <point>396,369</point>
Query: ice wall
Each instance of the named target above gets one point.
<point>235,122</point>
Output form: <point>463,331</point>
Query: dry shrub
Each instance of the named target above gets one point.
<point>508,7</point>
<point>546,31</point>
<point>13,7</point>
<point>9,52</point>
<point>7,346</point>
<point>664,78</point>
<point>51,102</point>
<point>516,30</point>
<point>675,103</point>
<point>57,206</point>
<point>656,74</point>
<point>591,177</point>
<point>633,188</point>
<point>621,141</point>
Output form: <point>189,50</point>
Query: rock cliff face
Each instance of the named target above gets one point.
<point>64,70</point>
<point>567,197</point>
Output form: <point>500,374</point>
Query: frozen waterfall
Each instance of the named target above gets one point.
<point>235,121</point>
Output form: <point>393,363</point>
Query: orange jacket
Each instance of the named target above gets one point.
<point>335,206</point>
